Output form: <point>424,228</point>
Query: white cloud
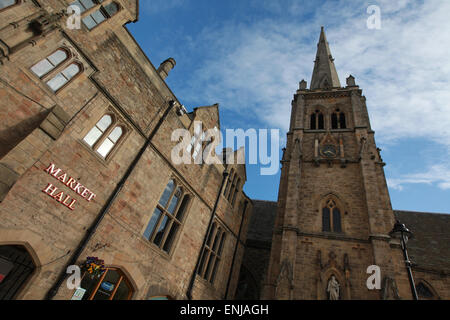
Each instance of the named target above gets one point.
<point>437,174</point>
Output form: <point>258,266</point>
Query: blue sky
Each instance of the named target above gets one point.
<point>249,56</point>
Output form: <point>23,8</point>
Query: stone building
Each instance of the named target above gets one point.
<point>333,216</point>
<point>86,167</point>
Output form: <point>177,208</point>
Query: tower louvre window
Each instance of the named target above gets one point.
<point>338,120</point>
<point>317,121</point>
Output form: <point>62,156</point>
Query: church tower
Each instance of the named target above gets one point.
<point>334,212</point>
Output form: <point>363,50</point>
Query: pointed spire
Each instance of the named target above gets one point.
<point>324,74</point>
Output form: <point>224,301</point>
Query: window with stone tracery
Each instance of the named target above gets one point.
<point>93,13</point>
<point>331,217</point>
<point>317,121</point>
<point>338,120</point>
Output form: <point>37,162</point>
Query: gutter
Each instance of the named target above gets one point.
<point>91,231</point>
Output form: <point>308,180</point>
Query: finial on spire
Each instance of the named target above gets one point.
<point>324,74</point>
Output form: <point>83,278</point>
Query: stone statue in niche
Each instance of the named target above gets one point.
<point>333,289</point>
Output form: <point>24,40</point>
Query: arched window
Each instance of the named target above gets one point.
<point>212,253</point>
<point>104,136</point>
<point>112,285</point>
<point>16,268</point>
<point>63,77</point>
<point>338,120</point>
<point>56,70</point>
<point>331,217</point>
<point>48,64</point>
<point>98,16</point>
<point>317,121</point>
<point>167,217</point>
<point>7,3</point>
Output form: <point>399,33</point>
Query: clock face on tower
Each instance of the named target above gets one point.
<point>328,151</point>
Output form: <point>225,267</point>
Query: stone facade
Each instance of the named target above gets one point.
<point>41,125</point>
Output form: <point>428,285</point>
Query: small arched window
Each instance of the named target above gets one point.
<point>100,15</point>
<point>104,136</point>
<point>331,217</point>
<point>236,190</point>
<point>8,3</point>
<point>228,186</point>
<point>168,216</point>
<point>48,64</point>
<point>338,120</point>
<point>63,77</point>
<point>317,121</point>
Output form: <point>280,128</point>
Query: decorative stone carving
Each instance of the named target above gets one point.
<point>333,289</point>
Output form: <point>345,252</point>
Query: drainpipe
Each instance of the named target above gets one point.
<point>236,249</point>
<point>211,220</point>
<point>90,232</point>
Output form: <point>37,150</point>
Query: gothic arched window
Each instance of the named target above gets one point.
<point>105,135</point>
<point>331,217</point>
<point>317,121</point>
<point>58,69</point>
<point>112,285</point>
<point>338,120</point>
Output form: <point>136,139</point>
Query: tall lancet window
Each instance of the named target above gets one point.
<point>338,120</point>
<point>331,217</point>
<point>317,121</point>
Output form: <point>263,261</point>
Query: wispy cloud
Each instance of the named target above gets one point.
<point>437,174</point>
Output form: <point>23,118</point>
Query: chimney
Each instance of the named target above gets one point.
<point>165,67</point>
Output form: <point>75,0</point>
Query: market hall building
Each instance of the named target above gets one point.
<point>86,173</point>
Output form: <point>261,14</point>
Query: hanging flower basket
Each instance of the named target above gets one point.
<point>94,267</point>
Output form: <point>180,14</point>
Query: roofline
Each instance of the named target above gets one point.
<point>421,212</point>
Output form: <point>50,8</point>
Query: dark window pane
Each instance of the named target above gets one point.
<point>209,266</point>
<point>216,240</point>
<point>167,192</point>
<point>326,220</point>
<point>343,123</point>
<point>122,292</point>
<point>321,122</point>
<point>313,122</point>
<point>202,261</point>
<point>214,271</point>
<point>213,228</point>
<point>161,230</point>
<point>337,220</point>
<point>182,209</point>
<point>98,16</point>
<point>111,9</point>
<point>219,252</point>
<point>171,237</point>
<point>424,292</point>
<point>151,225</point>
<point>334,121</point>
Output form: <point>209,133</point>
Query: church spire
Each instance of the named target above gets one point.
<point>324,74</point>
